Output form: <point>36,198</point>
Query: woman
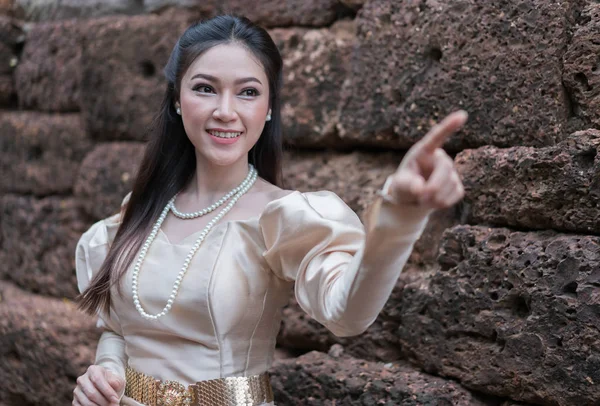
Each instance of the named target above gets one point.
<point>190,278</point>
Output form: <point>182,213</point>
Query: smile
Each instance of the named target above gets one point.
<point>222,134</point>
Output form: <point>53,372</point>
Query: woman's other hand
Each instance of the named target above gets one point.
<point>427,176</point>
<point>98,387</point>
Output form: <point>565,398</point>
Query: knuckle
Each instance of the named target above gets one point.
<point>86,391</point>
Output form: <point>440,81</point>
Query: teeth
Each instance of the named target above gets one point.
<point>223,134</point>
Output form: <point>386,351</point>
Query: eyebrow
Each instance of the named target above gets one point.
<point>215,79</point>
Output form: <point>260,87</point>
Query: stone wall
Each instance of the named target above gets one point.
<point>500,301</point>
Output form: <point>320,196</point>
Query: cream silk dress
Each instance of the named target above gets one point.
<point>228,312</point>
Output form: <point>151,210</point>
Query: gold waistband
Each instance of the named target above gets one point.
<point>233,391</point>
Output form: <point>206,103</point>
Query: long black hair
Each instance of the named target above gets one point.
<point>169,162</point>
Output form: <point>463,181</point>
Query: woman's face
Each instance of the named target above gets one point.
<point>224,100</point>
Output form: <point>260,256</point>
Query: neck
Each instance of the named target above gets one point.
<point>213,181</point>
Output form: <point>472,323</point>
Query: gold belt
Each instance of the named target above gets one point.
<point>232,391</point>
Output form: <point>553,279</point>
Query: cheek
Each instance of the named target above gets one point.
<point>257,115</point>
<point>189,103</point>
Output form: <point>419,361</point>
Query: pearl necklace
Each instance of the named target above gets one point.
<point>247,184</point>
<point>214,206</point>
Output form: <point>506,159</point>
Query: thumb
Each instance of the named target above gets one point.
<point>116,382</point>
<point>407,187</point>
<point>417,185</point>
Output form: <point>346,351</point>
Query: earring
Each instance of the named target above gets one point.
<point>268,116</point>
<point>178,108</point>
<point>178,111</point>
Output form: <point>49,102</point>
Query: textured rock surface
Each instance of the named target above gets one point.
<point>355,176</point>
<point>206,7</point>
<point>547,188</point>
<point>271,13</point>
<point>6,7</point>
<point>8,92</point>
<point>45,345</point>
<point>119,107</point>
<point>283,13</point>
<point>40,153</point>
<point>11,37</point>
<point>106,176</point>
<point>512,314</point>
<point>580,62</point>
<point>51,10</point>
<point>500,61</point>
<point>354,4</point>
<point>38,238</point>
<point>320,379</point>
<point>315,67</point>
<point>49,72</point>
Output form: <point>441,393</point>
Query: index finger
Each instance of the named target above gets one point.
<point>101,383</point>
<point>437,136</point>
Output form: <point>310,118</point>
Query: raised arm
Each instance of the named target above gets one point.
<point>344,272</point>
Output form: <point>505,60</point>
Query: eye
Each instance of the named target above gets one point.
<point>250,92</point>
<point>202,88</point>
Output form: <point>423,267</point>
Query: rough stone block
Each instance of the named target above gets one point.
<point>106,176</point>
<point>40,153</point>
<point>271,13</point>
<point>52,10</point>
<point>510,314</point>
<point>122,82</point>
<point>48,75</point>
<point>38,239</point>
<point>535,188</point>
<point>278,13</point>
<point>46,344</point>
<point>11,38</point>
<point>320,379</point>
<point>580,63</point>
<point>418,61</point>
<point>315,67</point>
<point>8,93</point>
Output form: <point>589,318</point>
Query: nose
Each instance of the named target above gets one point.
<point>225,110</point>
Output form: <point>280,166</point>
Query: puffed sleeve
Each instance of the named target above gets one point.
<point>344,272</point>
<point>91,251</point>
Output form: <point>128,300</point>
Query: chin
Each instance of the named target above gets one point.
<point>224,161</point>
